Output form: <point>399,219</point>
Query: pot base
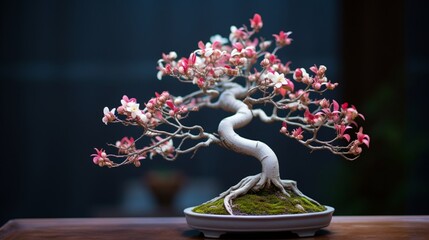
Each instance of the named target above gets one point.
<point>302,224</point>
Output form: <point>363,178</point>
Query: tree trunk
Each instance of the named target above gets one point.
<point>229,101</point>
<point>243,115</point>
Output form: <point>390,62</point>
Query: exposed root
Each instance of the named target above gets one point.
<point>243,182</point>
<point>292,186</point>
<point>256,183</point>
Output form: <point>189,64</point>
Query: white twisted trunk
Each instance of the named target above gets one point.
<point>243,115</point>
<point>229,101</point>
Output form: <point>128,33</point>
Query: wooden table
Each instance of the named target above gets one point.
<point>362,227</point>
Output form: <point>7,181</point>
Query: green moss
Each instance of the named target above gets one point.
<point>215,207</point>
<point>264,202</point>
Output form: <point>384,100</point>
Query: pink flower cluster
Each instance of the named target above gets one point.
<point>163,147</point>
<point>294,95</point>
<point>316,81</point>
<point>100,158</point>
<point>216,61</point>
<point>157,108</point>
<point>126,146</point>
<point>204,67</point>
<point>331,114</point>
<point>156,111</point>
<point>282,39</point>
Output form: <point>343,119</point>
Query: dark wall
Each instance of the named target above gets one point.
<point>63,61</point>
<point>386,66</point>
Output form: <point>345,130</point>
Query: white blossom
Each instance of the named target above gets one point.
<point>159,75</point>
<point>172,55</point>
<point>232,37</point>
<point>219,39</point>
<point>134,109</point>
<point>276,77</point>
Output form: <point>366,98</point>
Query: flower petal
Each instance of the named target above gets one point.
<point>347,137</point>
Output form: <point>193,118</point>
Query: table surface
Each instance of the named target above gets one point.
<point>341,227</point>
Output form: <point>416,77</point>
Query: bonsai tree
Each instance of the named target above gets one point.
<point>240,75</point>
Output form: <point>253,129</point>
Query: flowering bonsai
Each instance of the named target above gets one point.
<point>241,75</point>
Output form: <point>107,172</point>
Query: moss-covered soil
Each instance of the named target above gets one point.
<point>264,202</point>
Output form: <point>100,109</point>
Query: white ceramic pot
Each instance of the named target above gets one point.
<point>303,224</point>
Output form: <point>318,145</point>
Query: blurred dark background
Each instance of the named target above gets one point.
<point>63,61</point>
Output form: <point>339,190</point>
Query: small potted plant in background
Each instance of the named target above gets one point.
<point>241,75</point>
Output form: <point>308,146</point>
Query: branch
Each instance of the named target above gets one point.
<point>211,139</point>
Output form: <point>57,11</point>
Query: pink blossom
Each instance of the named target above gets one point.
<point>315,119</point>
<point>161,98</point>
<point>170,104</point>
<point>205,50</point>
<point>237,60</point>
<point>256,23</point>
<point>192,59</point>
<point>218,72</point>
<point>282,39</point>
<point>298,74</point>
<point>335,106</point>
<point>265,63</point>
<point>240,54</point>
<point>282,68</point>
<point>163,71</point>
<point>264,45</point>
<point>362,138</point>
<point>332,115</point>
<point>324,103</point>
<point>178,101</point>
<point>249,52</point>
<point>350,112</point>
<point>126,145</point>
<point>314,69</point>
<point>297,133</point>
<point>124,101</point>
<point>301,75</point>
<point>237,47</point>
<point>166,148</point>
<point>100,158</point>
<point>169,57</point>
<point>355,149</point>
<point>175,110</point>
<point>253,43</point>
<point>331,86</point>
<point>135,159</point>
<point>237,34</point>
<point>303,96</point>
<point>316,85</point>
<point>341,131</point>
<point>231,71</point>
<point>307,80</point>
<point>273,58</point>
<point>283,129</point>
<point>109,115</point>
<point>183,66</point>
<point>319,71</point>
<point>199,82</point>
